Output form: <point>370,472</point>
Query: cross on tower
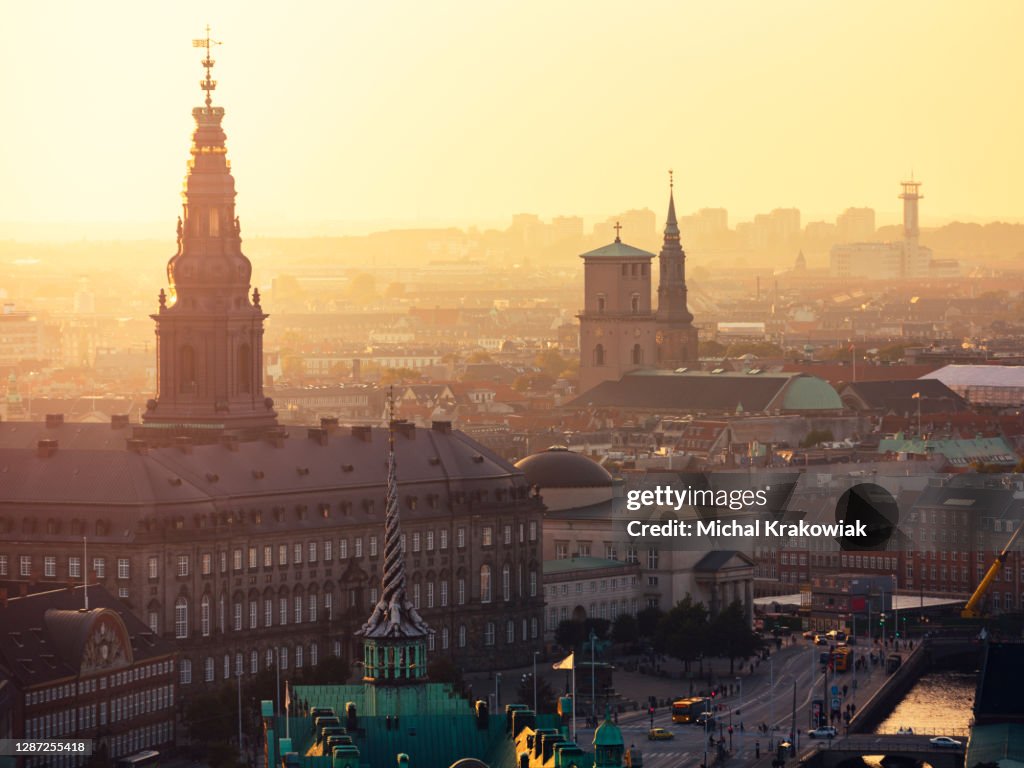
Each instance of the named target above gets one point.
<point>617,227</point>
<point>207,84</point>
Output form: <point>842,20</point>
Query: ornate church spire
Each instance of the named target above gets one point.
<point>394,647</point>
<point>672,259</point>
<point>209,332</point>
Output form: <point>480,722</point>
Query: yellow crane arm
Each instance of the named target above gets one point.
<point>970,610</point>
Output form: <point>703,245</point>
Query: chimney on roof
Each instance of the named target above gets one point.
<point>184,443</point>
<point>119,421</point>
<point>137,446</point>
<point>318,435</point>
<point>46,448</point>
<point>406,429</point>
<point>276,438</point>
<point>444,427</point>
<point>54,420</point>
<point>230,442</point>
<point>362,432</point>
<point>330,423</point>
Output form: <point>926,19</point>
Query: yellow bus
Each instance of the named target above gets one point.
<point>687,710</point>
<point>843,657</point>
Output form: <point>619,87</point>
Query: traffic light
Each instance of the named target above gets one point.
<point>713,694</point>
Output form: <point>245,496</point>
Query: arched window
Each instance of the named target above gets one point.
<point>634,303</point>
<point>638,354</point>
<point>485,583</point>
<point>204,616</point>
<point>187,370</point>
<point>244,371</point>
<point>599,354</point>
<point>181,617</point>
<point>506,577</point>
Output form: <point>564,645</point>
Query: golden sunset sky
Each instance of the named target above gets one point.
<point>363,115</point>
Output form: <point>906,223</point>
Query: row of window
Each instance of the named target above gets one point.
<point>68,721</point>
<point>99,566</point>
<point>70,690</point>
<point>136,740</point>
<point>298,608</point>
<point>308,552</point>
<point>611,552</point>
<point>594,585</point>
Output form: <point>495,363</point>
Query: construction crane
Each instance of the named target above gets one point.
<point>971,609</point>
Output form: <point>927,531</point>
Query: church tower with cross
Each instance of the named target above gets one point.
<point>620,331</point>
<point>617,332</point>
<point>209,326</point>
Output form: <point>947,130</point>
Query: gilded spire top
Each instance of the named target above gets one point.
<point>208,84</point>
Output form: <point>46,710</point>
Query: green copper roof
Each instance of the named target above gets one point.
<point>617,250</point>
<point>809,393</point>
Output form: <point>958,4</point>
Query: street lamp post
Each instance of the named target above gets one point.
<point>535,682</point>
<point>593,685</point>
<point>239,676</point>
<point>277,670</point>
<point>497,691</point>
<point>739,710</point>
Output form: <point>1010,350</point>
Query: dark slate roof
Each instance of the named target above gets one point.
<point>897,396</point>
<point>717,559</point>
<point>118,494</point>
<point>43,634</point>
<point>559,467</point>
<point>689,391</point>
<point>617,250</point>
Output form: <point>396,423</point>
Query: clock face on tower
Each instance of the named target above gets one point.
<point>104,648</point>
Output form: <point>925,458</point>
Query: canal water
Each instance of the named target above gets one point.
<point>939,703</point>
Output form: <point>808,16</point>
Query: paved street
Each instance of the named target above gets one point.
<point>755,706</point>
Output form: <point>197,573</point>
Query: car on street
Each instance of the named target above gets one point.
<point>808,635</point>
<point>821,640</point>
<point>660,734</point>
<point>825,732</point>
<point>944,741</point>
<point>705,718</point>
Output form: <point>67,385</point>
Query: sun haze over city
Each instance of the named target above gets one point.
<point>360,116</point>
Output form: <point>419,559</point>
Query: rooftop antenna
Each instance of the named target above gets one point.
<point>208,84</point>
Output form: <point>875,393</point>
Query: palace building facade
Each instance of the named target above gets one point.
<point>246,545</point>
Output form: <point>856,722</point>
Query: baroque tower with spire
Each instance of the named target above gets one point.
<point>209,327</point>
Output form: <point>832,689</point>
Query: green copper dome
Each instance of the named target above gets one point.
<point>608,735</point>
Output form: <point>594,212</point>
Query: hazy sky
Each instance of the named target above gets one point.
<point>461,112</point>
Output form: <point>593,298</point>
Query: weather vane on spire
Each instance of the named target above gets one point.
<point>208,84</point>
<point>671,183</point>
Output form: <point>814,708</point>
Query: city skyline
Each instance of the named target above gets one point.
<point>457,127</point>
